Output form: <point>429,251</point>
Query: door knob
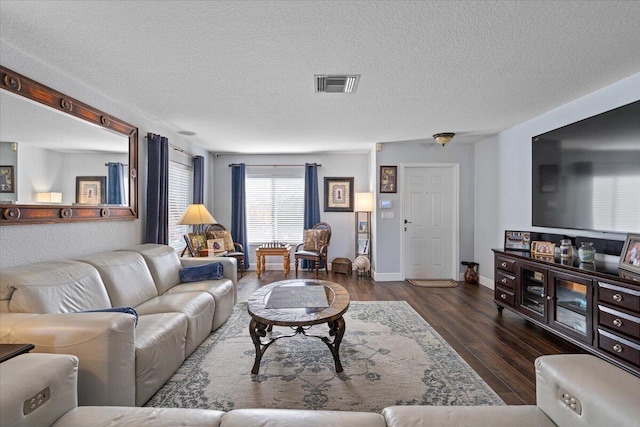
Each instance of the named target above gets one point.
<point>407,222</point>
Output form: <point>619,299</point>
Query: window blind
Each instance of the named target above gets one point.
<point>275,209</point>
<point>180,196</point>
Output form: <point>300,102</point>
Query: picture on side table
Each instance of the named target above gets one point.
<point>543,248</point>
<point>630,256</point>
<point>338,194</point>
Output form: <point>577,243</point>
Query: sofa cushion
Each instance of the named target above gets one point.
<point>126,277</point>
<point>223,293</point>
<point>445,416</point>
<point>299,417</point>
<point>160,343</point>
<point>197,273</point>
<point>163,262</point>
<point>53,287</point>
<point>90,416</point>
<point>197,306</point>
<point>224,235</point>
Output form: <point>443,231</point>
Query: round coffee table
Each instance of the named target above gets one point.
<point>298,317</point>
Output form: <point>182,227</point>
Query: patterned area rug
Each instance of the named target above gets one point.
<point>390,355</point>
<point>428,283</point>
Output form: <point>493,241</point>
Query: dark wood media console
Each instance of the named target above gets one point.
<point>594,306</point>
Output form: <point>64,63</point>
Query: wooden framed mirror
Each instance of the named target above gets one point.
<point>51,140</point>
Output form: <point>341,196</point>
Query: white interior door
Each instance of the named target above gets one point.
<point>429,223</point>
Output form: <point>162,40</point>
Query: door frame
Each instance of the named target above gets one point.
<point>455,210</point>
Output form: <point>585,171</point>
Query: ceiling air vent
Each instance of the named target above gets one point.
<point>336,84</point>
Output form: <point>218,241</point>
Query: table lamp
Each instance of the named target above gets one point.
<point>197,215</point>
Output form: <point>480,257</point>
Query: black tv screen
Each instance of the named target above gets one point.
<point>586,175</point>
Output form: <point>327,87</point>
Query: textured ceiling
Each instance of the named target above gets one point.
<point>240,74</point>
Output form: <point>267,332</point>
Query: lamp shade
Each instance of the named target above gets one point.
<point>49,197</point>
<point>364,202</point>
<point>195,215</point>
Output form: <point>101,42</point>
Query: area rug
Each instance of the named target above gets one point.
<point>390,356</point>
<point>428,283</point>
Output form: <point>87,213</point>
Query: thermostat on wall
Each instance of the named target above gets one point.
<point>386,204</point>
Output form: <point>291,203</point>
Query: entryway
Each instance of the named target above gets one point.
<point>430,221</point>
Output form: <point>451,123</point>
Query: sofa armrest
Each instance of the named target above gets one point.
<point>37,389</point>
<point>583,390</point>
<point>104,343</point>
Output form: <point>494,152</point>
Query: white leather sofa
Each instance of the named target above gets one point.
<point>121,363</point>
<point>572,391</point>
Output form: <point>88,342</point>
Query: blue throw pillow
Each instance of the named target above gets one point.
<point>196,273</point>
<point>127,310</point>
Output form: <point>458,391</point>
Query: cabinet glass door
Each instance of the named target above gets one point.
<point>572,297</point>
<point>532,291</point>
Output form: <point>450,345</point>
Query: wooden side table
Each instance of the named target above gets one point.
<point>8,351</point>
<point>263,252</point>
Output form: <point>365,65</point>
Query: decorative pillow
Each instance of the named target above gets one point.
<point>315,239</point>
<point>127,310</point>
<point>197,273</point>
<point>225,235</point>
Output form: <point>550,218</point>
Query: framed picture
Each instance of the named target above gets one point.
<point>338,194</point>
<point>543,248</point>
<point>363,246</point>
<point>630,256</point>
<point>7,179</point>
<point>189,246</point>
<point>517,240</point>
<point>388,179</point>
<point>216,245</point>
<point>91,190</point>
<point>362,226</point>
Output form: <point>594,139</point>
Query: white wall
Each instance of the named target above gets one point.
<point>503,172</point>
<point>354,165</point>
<point>22,244</point>
<point>387,255</point>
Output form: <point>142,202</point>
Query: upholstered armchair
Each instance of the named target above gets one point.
<point>315,246</point>
<point>233,249</point>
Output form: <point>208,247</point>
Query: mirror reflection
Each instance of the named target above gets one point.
<point>59,159</point>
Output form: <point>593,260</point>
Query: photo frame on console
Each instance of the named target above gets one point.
<point>545,249</point>
<point>630,256</point>
<point>517,240</point>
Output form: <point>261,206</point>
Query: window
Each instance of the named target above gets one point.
<point>275,208</point>
<point>180,196</point>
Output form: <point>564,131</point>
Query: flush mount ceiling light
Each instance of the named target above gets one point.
<point>336,83</point>
<point>443,138</point>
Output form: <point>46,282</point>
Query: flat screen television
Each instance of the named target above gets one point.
<point>586,175</point>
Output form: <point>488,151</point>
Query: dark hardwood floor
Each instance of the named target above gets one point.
<point>501,348</point>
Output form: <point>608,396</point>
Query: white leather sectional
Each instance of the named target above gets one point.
<point>572,391</point>
<point>120,363</point>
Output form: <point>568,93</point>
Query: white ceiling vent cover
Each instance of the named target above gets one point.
<point>336,84</point>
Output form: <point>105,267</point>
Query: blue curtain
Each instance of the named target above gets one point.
<point>157,228</point>
<point>115,183</point>
<point>198,180</point>
<point>239,210</point>
<point>311,202</point>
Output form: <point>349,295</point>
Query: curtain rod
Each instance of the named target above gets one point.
<point>124,164</point>
<point>182,150</point>
<point>273,166</point>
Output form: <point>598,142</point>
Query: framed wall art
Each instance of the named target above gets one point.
<point>7,179</point>
<point>630,256</point>
<point>338,194</point>
<point>517,240</point>
<point>91,190</point>
<point>388,179</point>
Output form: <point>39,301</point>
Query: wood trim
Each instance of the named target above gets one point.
<point>16,214</point>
